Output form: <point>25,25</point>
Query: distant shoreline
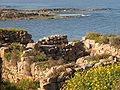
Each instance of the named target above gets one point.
<point>42,13</point>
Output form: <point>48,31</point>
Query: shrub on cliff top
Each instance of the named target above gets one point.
<point>115,41</point>
<point>99,38</point>
<point>12,29</point>
<point>100,78</point>
<point>93,36</point>
<point>105,39</point>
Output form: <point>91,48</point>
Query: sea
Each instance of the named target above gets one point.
<point>105,22</point>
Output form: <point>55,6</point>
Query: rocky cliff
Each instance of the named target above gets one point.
<point>52,59</point>
<point>10,35</point>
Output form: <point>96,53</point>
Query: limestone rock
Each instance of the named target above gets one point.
<point>54,40</point>
<point>80,61</point>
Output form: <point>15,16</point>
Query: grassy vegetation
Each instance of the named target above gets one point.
<point>97,57</point>
<point>15,45</point>
<point>39,56</point>
<point>50,63</point>
<point>8,56</point>
<point>14,52</point>
<point>113,40</point>
<point>12,29</point>
<point>99,78</point>
<point>21,85</point>
<point>93,36</point>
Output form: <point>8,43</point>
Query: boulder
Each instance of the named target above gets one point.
<point>31,45</point>
<point>80,60</point>
<point>54,40</point>
<point>3,50</point>
<point>11,35</point>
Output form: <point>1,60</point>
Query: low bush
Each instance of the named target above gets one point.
<point>8,56</point>
<point>12,29</point>
<point>13,46</point>
<point>99,38</point>
<point>103,39</point>
<point>50,63</point>
<point>14,52</point>
<point>27,85</point>
<point>39,56</point>
<point>99,78</point>
<point>21,85</point>
<point>115,41</point>
<point>6,85</point>
<point>13,55</point>
<point>97,57</point>
<point>93,36</point>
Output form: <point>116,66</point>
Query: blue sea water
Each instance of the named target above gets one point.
<point>75,28</point>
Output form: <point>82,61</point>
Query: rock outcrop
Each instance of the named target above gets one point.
<point>56,47</point>
<point>99,49</point>
<point>10,35</point>
<point>54,40</point>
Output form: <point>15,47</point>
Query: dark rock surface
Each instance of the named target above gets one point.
<point>22,37</point>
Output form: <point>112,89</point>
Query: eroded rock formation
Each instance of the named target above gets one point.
<point>10,36</point>
<point>66,58</point>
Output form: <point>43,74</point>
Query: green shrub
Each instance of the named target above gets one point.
<point>99,78</point>
<point>14,52</point>
<point>27,85</point>
<point>12,29</point>
<point>21,85</point>
<point>75,40</point>
<point>6,85</point>
<point>50,63</point>
<point>8,56</point>
<point>93,36</point>
<point>39,56</point>
<point>115,41</point>
<point>103,39</point>
<point>13,55</point>
<point>14,46</point>
<point>111,35</point>
<point>97,57</point>
<point>16,55</point>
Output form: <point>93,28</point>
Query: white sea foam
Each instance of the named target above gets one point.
<point>73,15</point>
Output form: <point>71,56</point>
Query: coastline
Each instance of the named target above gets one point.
<point>43,13</point>
<point>53,60</point>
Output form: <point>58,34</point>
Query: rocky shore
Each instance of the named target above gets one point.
<point>52,58</point>
<point>14,14</point>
